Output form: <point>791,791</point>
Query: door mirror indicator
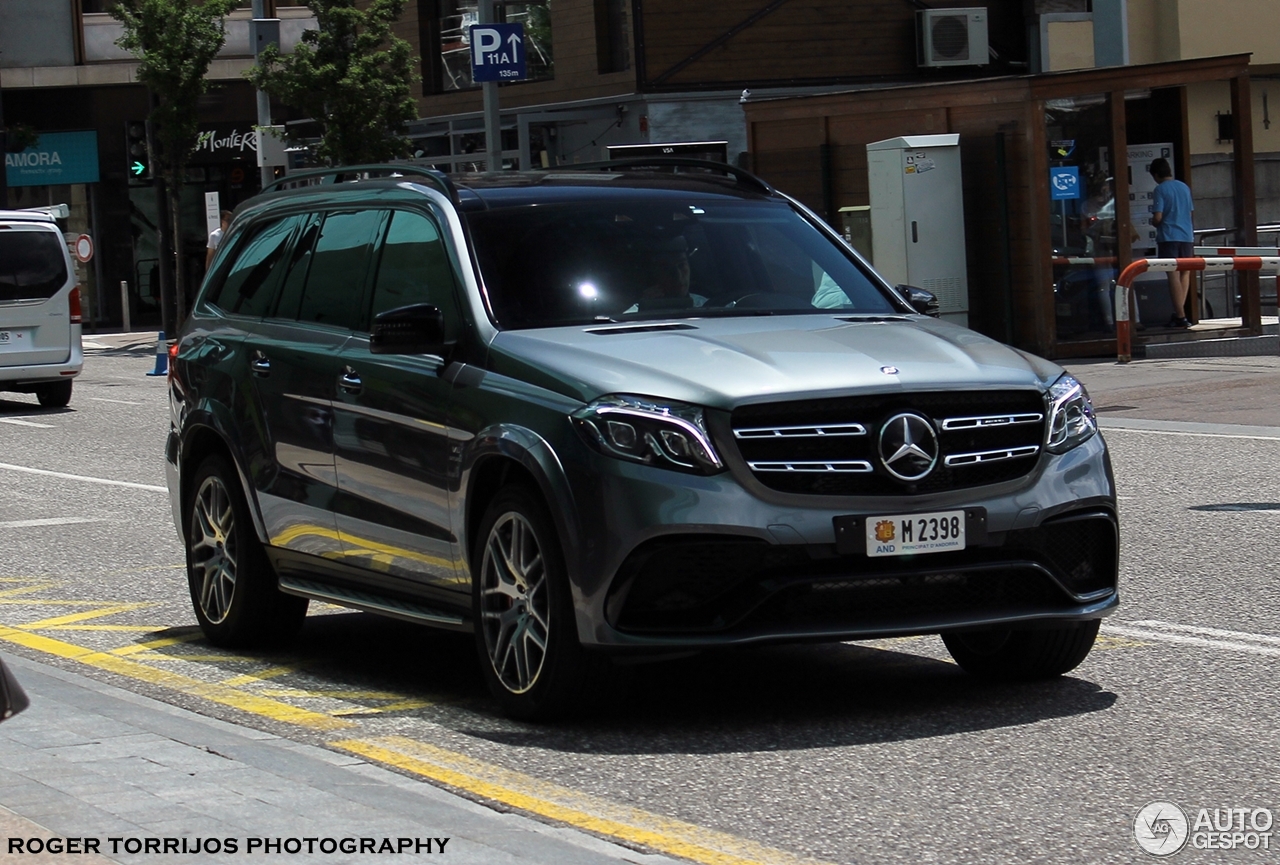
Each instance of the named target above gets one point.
<point>414,329</point>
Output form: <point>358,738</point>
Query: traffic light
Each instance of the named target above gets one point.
<point>137,156</point>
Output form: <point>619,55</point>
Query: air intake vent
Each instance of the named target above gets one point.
<point>951,37</point>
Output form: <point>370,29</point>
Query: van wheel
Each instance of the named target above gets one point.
<point>233,586</point>
<point>1030,654</point>
<point>54,395</point>
<point>526,631</point>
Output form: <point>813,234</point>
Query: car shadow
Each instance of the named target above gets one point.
<point>749,699</point>
<point>14,406</point>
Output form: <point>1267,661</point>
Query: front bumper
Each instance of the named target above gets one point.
<point>688,562</point>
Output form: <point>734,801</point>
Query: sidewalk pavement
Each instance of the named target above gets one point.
<point>88,760</point>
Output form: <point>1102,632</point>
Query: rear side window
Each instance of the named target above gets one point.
<point>339,264</point>
<point>414,268</point>
<point>32,264</point>
<point>248,286</point>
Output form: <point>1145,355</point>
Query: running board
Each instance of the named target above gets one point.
<point>383,606</point>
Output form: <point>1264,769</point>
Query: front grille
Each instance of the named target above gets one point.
<point>830,447</point>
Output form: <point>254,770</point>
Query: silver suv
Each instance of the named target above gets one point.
<point>40,324</point>
<point>616,411</point>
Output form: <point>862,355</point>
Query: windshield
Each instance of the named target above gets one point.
<point>558,264</point>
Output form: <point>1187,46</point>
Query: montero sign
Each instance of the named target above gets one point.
<point>57,158</point>
<point>497,53</point>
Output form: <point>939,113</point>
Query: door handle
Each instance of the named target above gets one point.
<point>260,364</point>
<point>349,381</point>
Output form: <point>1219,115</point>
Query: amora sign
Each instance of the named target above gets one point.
<point>57,158</point>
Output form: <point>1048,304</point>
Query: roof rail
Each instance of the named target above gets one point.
<point>348,173</point>
<point>739,174</point>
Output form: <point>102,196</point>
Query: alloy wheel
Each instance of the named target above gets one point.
<point>213,549</point>
<point>515,607</point>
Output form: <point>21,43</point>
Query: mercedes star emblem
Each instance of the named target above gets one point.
<point>908,446</point>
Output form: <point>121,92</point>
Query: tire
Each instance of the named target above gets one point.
<point>233,587</point>
<point>55,394</point>
<point>1022,655</point>
<point>526,630</point>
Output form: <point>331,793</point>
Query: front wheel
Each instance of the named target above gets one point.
<point>233,586</point>
<point>525,627</point>
<point>1003,653</point>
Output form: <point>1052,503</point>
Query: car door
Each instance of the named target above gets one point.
<point>391,436</point>
<point>292,355</point>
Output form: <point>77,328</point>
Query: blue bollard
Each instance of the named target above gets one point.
<point>162,357</point>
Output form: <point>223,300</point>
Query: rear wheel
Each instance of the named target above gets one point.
<point>55,394</point>
<point>1002,653</point>
<point>233,586</point>
<point>526,631</point>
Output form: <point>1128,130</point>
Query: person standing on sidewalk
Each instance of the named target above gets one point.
<point>1171,209</point>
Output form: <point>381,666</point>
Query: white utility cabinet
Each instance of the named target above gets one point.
<point>917,217</point>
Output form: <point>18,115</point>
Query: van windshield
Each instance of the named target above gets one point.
<point>32,264</point>
<point>575,263</point>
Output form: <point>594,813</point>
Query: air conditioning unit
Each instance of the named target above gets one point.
<point>951,37</point>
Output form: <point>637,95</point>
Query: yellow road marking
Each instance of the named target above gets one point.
<point>378,710</point>
<point>141,629</point>
<point>25,590</point>
<point>217,693</point>
<point>572,807</point>
<point>337,695</point>
<point>156,644</point>
<point>269,673</point>
<point>212,659</point>
<point>106,610</point>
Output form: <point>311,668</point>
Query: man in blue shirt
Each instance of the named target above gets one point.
<point>1171,209</point>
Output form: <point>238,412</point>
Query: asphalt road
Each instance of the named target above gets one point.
<point>867,753</point>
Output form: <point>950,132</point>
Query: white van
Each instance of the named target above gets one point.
<point>40,320</point>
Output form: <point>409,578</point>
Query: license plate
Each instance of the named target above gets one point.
<point>908,534</point>
<point>14,339</point>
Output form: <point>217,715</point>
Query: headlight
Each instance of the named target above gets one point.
<point>1071,419</point>
<point>665,434</point>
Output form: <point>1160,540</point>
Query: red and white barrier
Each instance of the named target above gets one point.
<point>1124,338</point>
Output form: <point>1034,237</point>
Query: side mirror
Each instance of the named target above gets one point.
<point>414,329</point>
<point>923,302</point>
<point>12,698</point>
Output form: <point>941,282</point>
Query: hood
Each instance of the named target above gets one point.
<point>725,362</point>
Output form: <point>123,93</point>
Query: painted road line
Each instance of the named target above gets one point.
<point>1168,432</point>
<point>1209,632</point>
<point>17,421</point>
<point>564,805</point>
<point>48,521</point>
<point>269,673</point>
<point>1164,634</point>
<point>120,401</point>
<point>245,702</point>
<point>104,609</point>
<point>84,478</point>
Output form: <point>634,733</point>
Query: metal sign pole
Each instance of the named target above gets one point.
<point>492,115</point>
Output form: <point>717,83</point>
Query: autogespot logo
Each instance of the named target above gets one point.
<point>1161,828</point>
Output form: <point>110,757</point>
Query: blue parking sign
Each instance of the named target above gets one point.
<point>497,52</point>
<point>1064,182</point>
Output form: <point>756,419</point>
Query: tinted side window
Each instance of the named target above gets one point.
<point>295,273</point>
<point>32,266</point>
<point>247,288</point>
<point>414,268</point>
<point>338,267</point>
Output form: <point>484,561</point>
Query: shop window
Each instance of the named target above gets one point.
<point>1084,234</point>
<point>455,19</point>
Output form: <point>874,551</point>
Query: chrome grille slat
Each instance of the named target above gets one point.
<point>988,421</point>
<point>983,457</point>
<point>845,466</point>
<point>801,432</point>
